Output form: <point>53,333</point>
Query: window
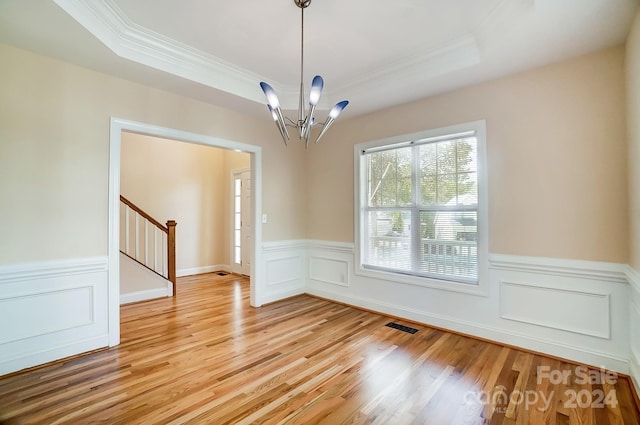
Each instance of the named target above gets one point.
<point>237,221</point>
<point>422,205</point>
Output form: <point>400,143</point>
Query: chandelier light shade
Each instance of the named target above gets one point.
<point>306,120</point>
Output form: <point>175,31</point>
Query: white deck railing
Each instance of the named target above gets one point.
<point>447,257</point>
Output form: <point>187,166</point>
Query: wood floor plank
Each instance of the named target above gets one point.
<point>206,356</point>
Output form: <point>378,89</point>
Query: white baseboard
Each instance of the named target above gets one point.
<point>510,338</point>
<point>566,308</point>
<point>149,294</point>
<point>201,270</point>
<point>270,298</point>
<point>36,358</point>
<point>634,372</point>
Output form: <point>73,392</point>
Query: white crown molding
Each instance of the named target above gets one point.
<point>439,60</point>
<point>595,270</point>
<point>503,14</point>
<point>115,30</point>
<point>109,24</point>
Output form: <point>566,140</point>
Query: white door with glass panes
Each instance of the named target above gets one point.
<point>241,240</point>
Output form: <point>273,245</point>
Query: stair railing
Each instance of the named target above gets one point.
<point>147,241</point>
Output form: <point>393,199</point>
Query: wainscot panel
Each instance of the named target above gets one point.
<point>284,265</point>
<point>329,270</point>
<point>56,309</point>
<point>577,310</point>
<point>546,306</point>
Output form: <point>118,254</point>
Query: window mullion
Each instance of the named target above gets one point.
<point>416,247</point>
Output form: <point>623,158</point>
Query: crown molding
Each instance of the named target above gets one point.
<point>108,23</point>
<point>458,54</point>
<point>105,20</point>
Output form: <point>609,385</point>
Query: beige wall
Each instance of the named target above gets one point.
<point>633,114</point>
<point>54,155</point>
<point>184,182</point>
<point>556,143</point>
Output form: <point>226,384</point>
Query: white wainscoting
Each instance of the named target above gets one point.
<point>634,327</point>
<point>547,306</point>
<point>58,309</point>
<point>576,310</point>
<point>55,309</point>
<point>330,263</point>
<point>285,269</point>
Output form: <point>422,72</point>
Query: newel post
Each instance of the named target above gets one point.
<point>171,253</point>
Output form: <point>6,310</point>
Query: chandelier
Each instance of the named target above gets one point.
<point>305,121</point>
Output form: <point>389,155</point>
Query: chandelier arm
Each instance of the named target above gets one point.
<point>325,127</point>
<point>283,133</point>
<point>281,124</point>
<point>309,121</point>
<point>306,137</point>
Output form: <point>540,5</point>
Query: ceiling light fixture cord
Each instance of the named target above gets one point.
<point>301,103</point>
<point>306,121</point>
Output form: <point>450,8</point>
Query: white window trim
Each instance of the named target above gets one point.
<point>482,287</point>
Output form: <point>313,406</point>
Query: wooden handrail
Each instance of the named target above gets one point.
<point>144,214</point>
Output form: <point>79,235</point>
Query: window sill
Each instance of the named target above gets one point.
<point>479,289</point>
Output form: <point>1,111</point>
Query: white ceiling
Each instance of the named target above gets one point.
<point>374,53</point>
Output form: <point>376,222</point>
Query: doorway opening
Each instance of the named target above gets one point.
<point>120,126</point>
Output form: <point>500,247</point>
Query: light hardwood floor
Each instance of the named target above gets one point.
<point>206,356</point>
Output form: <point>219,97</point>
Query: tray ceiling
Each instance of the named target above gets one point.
<point>374,53</point>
